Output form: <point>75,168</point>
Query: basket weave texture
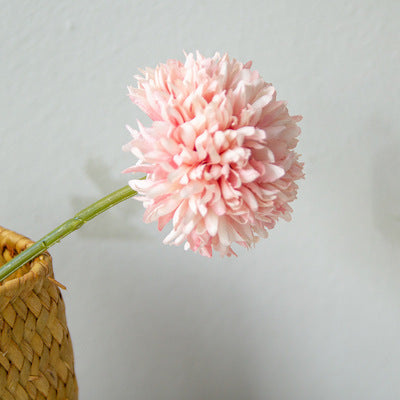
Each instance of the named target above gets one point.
<point>36,356</point>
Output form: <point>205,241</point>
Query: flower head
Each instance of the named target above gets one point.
<point>219,155</point>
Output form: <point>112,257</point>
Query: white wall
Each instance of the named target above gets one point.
<point>311,313</point>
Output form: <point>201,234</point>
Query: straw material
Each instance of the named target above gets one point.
<point>36,357</point>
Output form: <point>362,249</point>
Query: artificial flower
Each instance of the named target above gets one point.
<point>219,156</point>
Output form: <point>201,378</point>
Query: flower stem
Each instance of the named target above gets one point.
<point>65,229</point>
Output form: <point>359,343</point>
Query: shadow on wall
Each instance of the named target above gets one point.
<point>123,221</point>
<point>386,186</point>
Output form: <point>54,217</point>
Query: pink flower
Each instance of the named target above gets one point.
<point>219,156</point>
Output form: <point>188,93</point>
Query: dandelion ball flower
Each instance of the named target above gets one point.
<point>219,155</point>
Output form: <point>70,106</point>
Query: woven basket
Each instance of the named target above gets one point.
<point>36,357</point>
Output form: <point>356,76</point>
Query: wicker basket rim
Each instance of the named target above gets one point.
<point>40,267</point>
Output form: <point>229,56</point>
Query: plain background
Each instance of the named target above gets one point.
<point>311,313</point>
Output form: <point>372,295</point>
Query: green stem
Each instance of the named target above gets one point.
<point>65,229</point>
